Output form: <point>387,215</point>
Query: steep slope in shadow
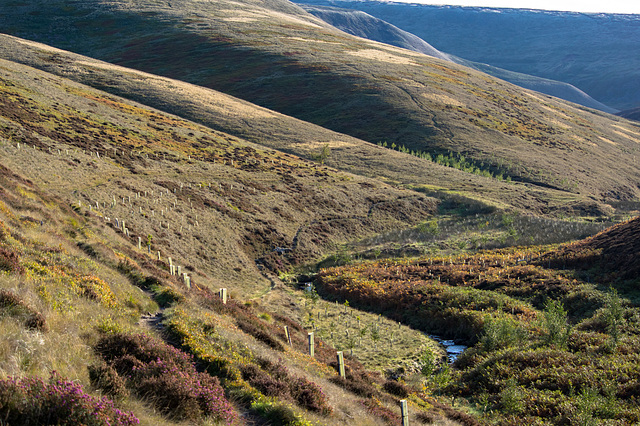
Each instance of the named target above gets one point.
<point>362,24</point>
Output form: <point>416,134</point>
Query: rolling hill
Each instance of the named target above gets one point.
<point>596,53</point>
<point>162,175</point>
<point>364,25</point>
<point>261,53</point>
<point>132,202</point>
<point>118,225</point>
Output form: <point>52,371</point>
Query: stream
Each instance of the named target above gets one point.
<point>453,350</point>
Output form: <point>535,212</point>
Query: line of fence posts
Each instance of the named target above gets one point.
<point>176,270</point>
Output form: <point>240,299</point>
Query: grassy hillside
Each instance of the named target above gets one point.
<point>364,25</point>
<point>79,344</point>
<point>101,197</point>
<point>275,55</point>
<point>214,203</point>
<point>96,329</point>
<point>231,115</point>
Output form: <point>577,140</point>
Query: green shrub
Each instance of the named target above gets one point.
<point>500,333</point>
<point>166,296</point>
<point>554,323</point>
<point>511,397</point>
<point>613,315</point>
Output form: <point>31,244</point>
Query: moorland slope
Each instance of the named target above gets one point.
<point>276,55</point>
<point>595,52</point>
<point>364,25</point>
<point>102,199</point>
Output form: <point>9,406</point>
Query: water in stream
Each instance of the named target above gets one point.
<point>453,350</point>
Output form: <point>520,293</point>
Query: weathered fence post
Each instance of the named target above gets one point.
<point>311,344</point>
<point>405,412</point>
<point>341,364</point>
<point>286,332</point>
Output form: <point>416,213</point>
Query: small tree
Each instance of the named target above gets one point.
<point>375,336</point>
<point>351,343</point>
<point>613,315</point>
<point>554,322</point>
<point>324,154</point>
<point>428,363</point>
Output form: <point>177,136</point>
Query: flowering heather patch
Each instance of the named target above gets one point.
<point>167,376</point>
<point>253,385</point>
<point>32,401</point>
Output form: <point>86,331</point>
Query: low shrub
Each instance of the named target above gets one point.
<point>275,380</point>
<point>166,296</point>
<point>257,330</point>
<point>396,388</point>
<point>166,376</point>
<point>310,396</point>
<point>275,414</point>
<point>13,305</point>
<point>106,378</point>
<point>31,401</point>
<point>375,407</point>
<point>354,386</point>
<point>10,261</point>
<point>264,382</point>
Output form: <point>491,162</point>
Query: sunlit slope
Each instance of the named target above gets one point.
<point>218,205</point>
<point>275,55</point>
<point>248,121</point>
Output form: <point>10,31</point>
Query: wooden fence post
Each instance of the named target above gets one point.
<point>405,412</point>
<point>341,364</point>
<point>286,332</point>
<point>311,344</point>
